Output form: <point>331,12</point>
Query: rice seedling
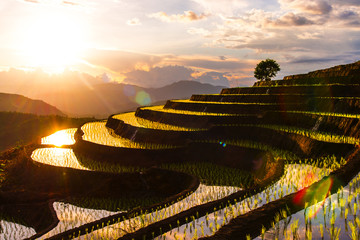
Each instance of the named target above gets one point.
<point>320,136</point>
<point>202,195</point>
<point>333,224</point>
<point>213,174</point>
<point>12,230</point>
<point>71,216</point>
<point>296,177</point>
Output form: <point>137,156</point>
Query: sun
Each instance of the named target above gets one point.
<point>52,42</point>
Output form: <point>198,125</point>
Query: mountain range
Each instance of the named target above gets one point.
<point>81,95</point>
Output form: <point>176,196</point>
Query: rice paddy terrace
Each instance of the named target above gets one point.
<point>279,160</point>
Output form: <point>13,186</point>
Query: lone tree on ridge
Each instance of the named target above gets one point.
<point>266,69</point>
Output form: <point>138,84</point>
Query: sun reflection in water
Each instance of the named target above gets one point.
<point>60,138</point>
<point>59,157</point>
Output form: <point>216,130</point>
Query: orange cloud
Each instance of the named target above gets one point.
<point>188,16</point>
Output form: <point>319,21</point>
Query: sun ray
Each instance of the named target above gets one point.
<point>53,42</point>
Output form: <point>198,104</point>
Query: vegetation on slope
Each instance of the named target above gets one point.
<point>19,103</point>
<point>20,128</point>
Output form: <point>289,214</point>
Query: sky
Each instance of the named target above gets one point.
<point>153,43</point>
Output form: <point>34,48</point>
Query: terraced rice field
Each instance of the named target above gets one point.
<point>131,119</point>
<point>248,187</point>
<point>96,132</point>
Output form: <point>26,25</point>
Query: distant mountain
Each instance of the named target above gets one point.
<point>104,99</point>
<point>81,95</point>
<point>182,90</point>
<point>19,103</point>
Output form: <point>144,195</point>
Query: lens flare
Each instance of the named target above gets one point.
<point>143,98</point>
<point>314,195</point>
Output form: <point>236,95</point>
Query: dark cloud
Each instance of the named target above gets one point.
<point>323,7</point>
<point>308,6</point>
<point>348,18</point>
<point>314,60</point>
<point>291,19</point>
<point>347,14</point>
<point>355,23</point>
<point>355,3</point>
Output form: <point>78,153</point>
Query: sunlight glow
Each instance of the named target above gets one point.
<point>62,137</point>
<point>53,42</point>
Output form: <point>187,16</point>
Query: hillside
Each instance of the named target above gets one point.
<point>21,128</point>
<point>18,103</point>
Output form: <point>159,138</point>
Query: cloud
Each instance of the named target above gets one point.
<point>121,61</point>
<point>347,3</point>
<point>214,78</point>
<point>291,19</point>
<point>307,6</point>
<point>309,35</point>
<point>158,76</point>
<point>347,17</point>
<point>348,14</point>
<point>161,76</point>
<point>199,31</point>
<point>156,71</point>
<point>70,3</point>
<point>311,60</point>
<point>218,64</point>
<point>133,22</point>
<point>32,1</point>
<point>227,7</point>
<point>188,16</point>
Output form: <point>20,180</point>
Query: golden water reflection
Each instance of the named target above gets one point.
<point>59,157</point>
<point>59,138</point>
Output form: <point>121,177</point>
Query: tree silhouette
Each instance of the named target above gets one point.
<point>266,69</point>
